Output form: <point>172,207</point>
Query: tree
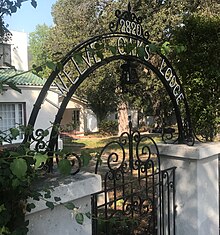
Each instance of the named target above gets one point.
<point>99,90</point>
<point>199,68</point>
<point>37,48</point>
<point>193,25</point>
<point>8,7</point>
<point>75,22</point>
<point>161,18</point>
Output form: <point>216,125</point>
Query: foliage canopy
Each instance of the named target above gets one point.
<point>164,20</point>
<point>8,7</point>
<point>198,66</point>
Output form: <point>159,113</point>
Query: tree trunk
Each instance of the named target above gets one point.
<point>122,117</point>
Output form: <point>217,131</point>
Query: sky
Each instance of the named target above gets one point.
<point>27,17</point>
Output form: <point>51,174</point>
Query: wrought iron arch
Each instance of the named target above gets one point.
<point>126,41</point>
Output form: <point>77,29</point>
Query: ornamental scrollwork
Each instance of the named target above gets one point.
<point>38,138</point>
<point>127,22</point>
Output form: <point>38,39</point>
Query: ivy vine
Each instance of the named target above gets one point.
<point>20,169</point>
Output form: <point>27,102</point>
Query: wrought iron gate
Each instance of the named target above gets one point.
<point>138,198</point>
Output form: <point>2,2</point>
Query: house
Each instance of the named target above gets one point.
<point>132,114</point>
<point>15,107</point>
<point>78,117</point>
<point>13,53</point>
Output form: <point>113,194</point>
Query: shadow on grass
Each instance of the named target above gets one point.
<point>93,144</point>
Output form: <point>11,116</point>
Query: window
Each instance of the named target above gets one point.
<point>76,118</point>
<point>5,54</point>
<point>11,115</point>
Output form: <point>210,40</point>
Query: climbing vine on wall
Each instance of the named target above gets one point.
<point>20,168</point>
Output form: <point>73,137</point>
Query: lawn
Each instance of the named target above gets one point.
<point>90,146</point>
<point>94,142</point>
<point>90,143</point>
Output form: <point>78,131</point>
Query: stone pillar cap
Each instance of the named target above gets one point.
<point>196,152</point>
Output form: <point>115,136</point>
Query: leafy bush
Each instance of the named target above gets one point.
<point>69,127</point>
<point>108,127</point>
<point>198,67</point>
<point>20,168</point>
<point>17,172</point>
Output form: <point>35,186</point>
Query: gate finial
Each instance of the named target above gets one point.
<point>127,22</point>
<point>129,7</point>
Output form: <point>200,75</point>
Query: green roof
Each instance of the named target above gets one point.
<point>21,78</point>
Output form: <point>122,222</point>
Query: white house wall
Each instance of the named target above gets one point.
<point>48,111</point>
<point>19,53</point>
<point>28,97</point>
<point>67,116</point>
<point>88,120</point>
<point>134,117</point>
<point>131,112</point>
<point>149,120</point>
<point>91,121</point>
<point>67,119</point>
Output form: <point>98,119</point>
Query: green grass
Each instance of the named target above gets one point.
<point>89,148</point>
<point>93,143</point>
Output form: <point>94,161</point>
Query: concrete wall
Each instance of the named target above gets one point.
<point>197,186</point>
<point>76,189</point>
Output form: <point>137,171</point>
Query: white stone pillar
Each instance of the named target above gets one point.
<point>76,189</point>
<point>197,186</point>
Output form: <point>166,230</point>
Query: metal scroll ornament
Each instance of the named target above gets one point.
<point>40,142</point>
<point>39,139</point>
<point>140,157</point>
<point>128,23</point>
<point>137,197</point>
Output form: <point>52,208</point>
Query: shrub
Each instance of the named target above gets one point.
<point>109,127</point>
<point>20,168</point>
